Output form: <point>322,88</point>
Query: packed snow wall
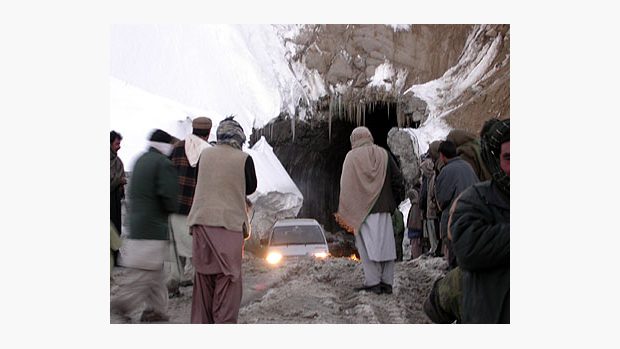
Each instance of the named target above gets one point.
<point>276,195</point>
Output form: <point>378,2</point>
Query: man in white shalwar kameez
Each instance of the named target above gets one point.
<point>371,187</point>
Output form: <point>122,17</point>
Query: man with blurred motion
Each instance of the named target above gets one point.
<point>153,194</point>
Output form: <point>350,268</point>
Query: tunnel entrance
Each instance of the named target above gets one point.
<point>380,118</point>
<point>314,162</point>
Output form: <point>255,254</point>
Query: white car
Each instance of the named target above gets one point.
<point>295,237</point>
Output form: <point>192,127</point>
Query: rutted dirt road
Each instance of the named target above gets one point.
<point>318,291</point>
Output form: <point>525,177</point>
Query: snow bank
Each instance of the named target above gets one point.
<point>135,113</point>
<point>276,195</point>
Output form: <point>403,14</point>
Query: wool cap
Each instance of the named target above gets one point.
<point>230,132</point>
<point>160,136</point>
<point>202,123</point>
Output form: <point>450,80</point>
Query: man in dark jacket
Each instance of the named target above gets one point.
<point>481,235</point>
<point>117,184</point>
<point>456,176</point>
<point>480,227</point>
<point>153,194</point>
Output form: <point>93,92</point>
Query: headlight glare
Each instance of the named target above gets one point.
<point>274,258</point>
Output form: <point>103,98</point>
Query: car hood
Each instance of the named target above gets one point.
<point>298,250</point>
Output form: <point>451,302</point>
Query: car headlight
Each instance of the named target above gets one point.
<point>274,257</point>
<point>321,255</point>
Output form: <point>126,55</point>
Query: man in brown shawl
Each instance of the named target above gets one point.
<point>371,186</point>
<point>217,218</point>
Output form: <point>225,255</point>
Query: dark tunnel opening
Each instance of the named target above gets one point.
<point>315,163</point>
<point>379,120</point>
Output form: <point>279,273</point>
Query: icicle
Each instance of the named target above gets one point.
<point>330,128</point>
<point>339,105</point>
<point>331,103</point>
<point>293,127</point>
<point>364,115</point>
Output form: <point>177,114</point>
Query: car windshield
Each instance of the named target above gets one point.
<point>297,234</point>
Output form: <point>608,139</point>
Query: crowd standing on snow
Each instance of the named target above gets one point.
<point>189,219</point>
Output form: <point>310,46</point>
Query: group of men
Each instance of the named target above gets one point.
<point>477,227</point>
<point>196,194</point>
<point>464,196</point>
<point>187,209</point>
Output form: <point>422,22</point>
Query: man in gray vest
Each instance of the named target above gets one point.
<point>217,219</point>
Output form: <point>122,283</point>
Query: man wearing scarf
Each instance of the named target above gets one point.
<point>480,228</point>
<point>184,157</point>
<point>217,218</point>
<point>152,197</point>
<point>371,186</point>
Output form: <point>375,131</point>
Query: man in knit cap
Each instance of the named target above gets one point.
<point>152,195</point>
<point>217,219</point>
<point>185,155</point>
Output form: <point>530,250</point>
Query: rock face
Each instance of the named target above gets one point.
<point>361,64</point>
<point>491,96</point>
<point>344,53</point>
<point>414,109</point>
<point>405,148</point>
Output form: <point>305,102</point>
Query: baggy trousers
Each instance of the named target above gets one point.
<point>377,229</point>
<point>217,259</point>
<point>141,286</point>
<point>429,230</point>
<point>216,299</point>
